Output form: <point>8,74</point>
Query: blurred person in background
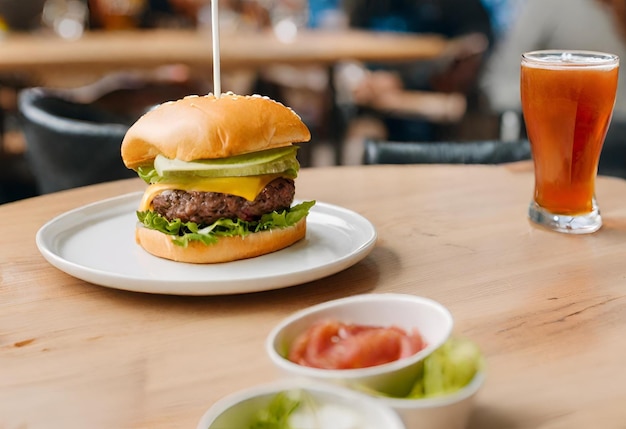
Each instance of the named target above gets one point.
<point>502,13</point>
<point>416,101</point>
<point>592,25</point>
<point>618,9</point>
<point>551,24</point>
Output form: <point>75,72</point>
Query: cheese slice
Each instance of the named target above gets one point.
<point>247,187</point>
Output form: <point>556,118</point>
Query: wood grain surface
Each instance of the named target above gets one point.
<point>103,50</point>
<point>547,309</point>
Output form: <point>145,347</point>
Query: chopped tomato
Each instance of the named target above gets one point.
<point>331,344</point>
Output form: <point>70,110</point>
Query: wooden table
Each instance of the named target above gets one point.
<point>114,50</point>
<point>548,309</point>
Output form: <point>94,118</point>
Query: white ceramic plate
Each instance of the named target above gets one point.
<point>96,243</point>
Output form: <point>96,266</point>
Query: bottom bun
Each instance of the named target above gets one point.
<point>225,250</point>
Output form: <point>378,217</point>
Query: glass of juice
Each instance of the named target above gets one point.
<point>567,103</point>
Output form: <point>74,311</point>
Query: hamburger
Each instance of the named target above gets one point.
<point>221,176</point>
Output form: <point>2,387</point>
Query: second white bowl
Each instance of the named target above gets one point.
<point>431,319</point>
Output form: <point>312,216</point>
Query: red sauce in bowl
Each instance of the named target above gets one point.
<point>331,344</point>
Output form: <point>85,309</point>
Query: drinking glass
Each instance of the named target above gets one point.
<point>567,103</point>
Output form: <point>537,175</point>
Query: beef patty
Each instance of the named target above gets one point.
<point>204,208</point>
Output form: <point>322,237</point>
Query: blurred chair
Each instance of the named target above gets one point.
<point>16,181</point>
<point>70,144</point>
<point>73,135</point>
<point>471,152</point>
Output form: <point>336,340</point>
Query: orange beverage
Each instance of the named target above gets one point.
<point>567,101</point>
<point>117,14</point>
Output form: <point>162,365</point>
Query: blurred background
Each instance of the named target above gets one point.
<point>468,92</point>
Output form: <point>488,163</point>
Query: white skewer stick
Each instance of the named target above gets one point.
<point>215,31</point>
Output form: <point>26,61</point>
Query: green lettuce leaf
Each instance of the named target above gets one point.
<point>276,415</point>
<point>185,232</point>
<point>148,174</point>
<point>448,369</point>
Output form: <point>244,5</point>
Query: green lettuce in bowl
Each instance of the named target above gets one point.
<point>443,394</point>
<point>299,404</point>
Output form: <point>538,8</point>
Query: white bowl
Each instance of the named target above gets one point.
<point>446,412</point>
<point>433,321</point>
<point>237,411</point>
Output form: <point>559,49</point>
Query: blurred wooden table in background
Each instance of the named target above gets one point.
<point>99,51</point>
